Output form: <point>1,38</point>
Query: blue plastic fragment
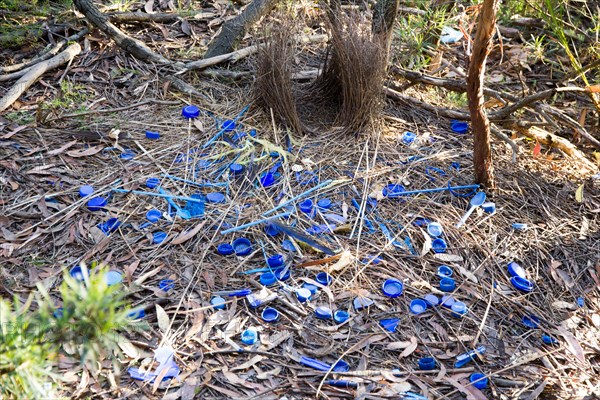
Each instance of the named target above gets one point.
<point>315,364</point>
<point>393,190</point>
<point>429,170</point>
<point>361,302</point>
<point>547,339</point>
<point>341,366</point>
<point>166,285</point>
<point>215,197</point>
<point>531,321</point>
<point>271,230</point>
<point>581,302</point>
<point>389,325</point>
<point>228,125</point>
<point>77,273</point>
<point>469,356</point>
<point>314,289</point>
<point>195,208</point>
<point>151,183</point>
<point>127,155</point>
<point>159,237</point>
<point>249,336</point>
<point>152,135</point>
<point>342,383</point>
<point>282,273</point>
<point>137,314</point>
<point>110,226</point>
<point>267,179</point>
<point>408,138</point>
<point>489,207</point>
<point>519,226</point>
<point>287,245</point>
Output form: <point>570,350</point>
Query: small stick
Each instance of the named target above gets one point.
<point>254,223</point>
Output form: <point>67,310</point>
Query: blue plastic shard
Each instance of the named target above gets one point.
<point>469,356</point>
<point>389,325</point>
<point>165,357</point>
<point>195,209</point>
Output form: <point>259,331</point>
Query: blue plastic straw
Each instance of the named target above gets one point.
<point>211,140</point>
<point>301,195</point>
<point>175,178</point>
<point>254,223</point>
<point>164,196</point>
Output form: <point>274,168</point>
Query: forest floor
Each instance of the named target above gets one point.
<point>86,125</point>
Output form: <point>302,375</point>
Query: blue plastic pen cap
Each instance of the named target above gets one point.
<point>447,284</point>
<point>392,288</point>
<point>86,190</point>
<point>190,111</point>
<point>152,135</point>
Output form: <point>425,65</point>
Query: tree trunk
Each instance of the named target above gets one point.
<point>482,152</point>
<point>384,16</point>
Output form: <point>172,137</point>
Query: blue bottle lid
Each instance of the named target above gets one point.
<point>225,249</point>
<point>519,226</point>
<point>393,190</point>
<point>531,321</point>
<point>272,230</point>
<point>479,380</point>
<point>218,303</point>
<point>418,306</point>
<point>408,138</point>
<point>306,206</point>
<point>324,204</point>
<point>435,229</point>
<point>361,302</point>
<point>275,261</point>
<point>151,183</point>
<point>152,135</point>
<point>287,245</point>
<point>389,325</point>
<point>110,226</point>
<point>85,190</point>
<point>77,273</point>
<point>341,366</point>
<point>190,112</point>
<point>96,203</point>
<point>270,314</point>
<point>153,215</point>
<point>341,316</point>
<point>521,284</point>
<point>215,197</point>
<point>127,155</point>
<point>228,125</point>
<point>267,278</point>
<point>580,302</point>
<point>392,288</point>
<point>282,273</point>
<point>439,245</point>
<point>303,295</point>
<point>426,363</point>
<point>447,301</point>
<point>159,237</point>
<point>447,284</point>
<point>314,289</point>
<point>444,271</point>
<point>113,277</point>
<point>236,169</point>
<point>458,309</point>
<point>459,127</point>
<point>489,207</point>
<point>323,312</point>
<point>267,179</point>
<point>547,339</point>
<point>324,278</point>
<point>432,300</point>
<point>242,246</point>
<point>249,336</point>
<point>515,269</point>
<point>166,285</point>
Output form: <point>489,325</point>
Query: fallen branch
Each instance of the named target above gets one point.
<point>139,16</point>
<point>35,72</point>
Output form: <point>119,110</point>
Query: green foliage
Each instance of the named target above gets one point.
<point>89,322</point>
<point>70,94</point>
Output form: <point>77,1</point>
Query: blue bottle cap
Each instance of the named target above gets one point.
<point>282,273</point>
<point>159,237</point>
<point>444,271</point>
<point>341,316</point>
<point>547,339</point>
<point>267,179</point>
<point>459,126</point>
<point>236,169</point>
<point>392,288</point>
<point>152,135</point>
<point>215,197</point>
<point>270,314</point>
<point>275,261</point>
<point>272,230</point>
<point>421,221</point>
<point>581,302</point>
<point>287,245</point>
<point>58,313</point>
<point>323,313</point>
<point>242,246</point>
<point>435,229</point>
<point>85,190</point>
<point>479,380</point>
<point>458,309</point>
<point>324,278</point>
<point>531,321</point>
<point>519,226</point>
<point>127,155</point>
<point>324,204</point>
<point>228,125</point>
<point>362,302</point>
<point>489,207</point>
<point>151,183</point>
<point>432,300</point>
<point>77,273</point>
<point>393,190</point>
<point>96,203</point>
<point>218,303</point>
<point>447,301</point>
<point>389,325</point>
<point>267,278</point>
<point>455,166</point>
<point>408,138</point>
<point>225,249</point>
<point>303,295</point>
<point>190,112</point>
<point>522,284</point>
<point>153,215</point>
<point>418,306</point>
<point>137,314</point>
<point>113,277</point>
<point>439,245</point>
<point>314,289</point>
<point>166,285</point>
<point>111,225</point>
<point>306,206</point>
<point>447,284</point>
<point>515,269</point>
<point>341,366</point>
<point>249,336</point>
<point>426,363</point>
